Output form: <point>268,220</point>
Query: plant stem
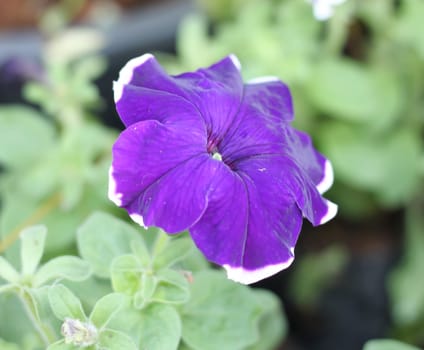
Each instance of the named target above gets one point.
<point>38,214</point>
<point>31,311</point>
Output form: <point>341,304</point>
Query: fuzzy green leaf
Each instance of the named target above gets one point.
<point>7,271</point>
<point>67,267</point>
<point>115,340</point>
<point>32,247</point>
<point>24,136</point>
<point>176,250</point>
<point>65,304</point>
<point>159,328</point>
<point>220,314</point>
<point>103,237</point>
<point>126,274</point>
<point>387,344</point>
<point>105,309</point>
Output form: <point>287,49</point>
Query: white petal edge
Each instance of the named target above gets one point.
<point>243,276</point>
<point>331,212</point>
<point>265,79</point>
<point>113,195</point>
<point>138,219</point>
<point>126,74</point>
<point>236,61</point>
<point>328,179</point>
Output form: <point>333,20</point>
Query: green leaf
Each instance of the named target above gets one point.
<point>272,324</point>
<point>172,287</point>
<point>65,304</point>
<point>387,165</point>
<point>147,287</point>
<point>103,237</point>
<point>349,91</point>
<point>314,273</point>
<point>115,340</point>
<point>25,136</point>
<point>159,328</point>
<point>406,295</point>
<point>67,267</point>
<point>387,344</point>
<point>32,247</point>
<point>106,308</point>
<point>220,314</point>
<point>406,28</point>
<point>8,346</point>
<point>141,252</point>
<point>176,250</point>
<point>61,345</point>
<point>8,272</point>
<point>126,274</point>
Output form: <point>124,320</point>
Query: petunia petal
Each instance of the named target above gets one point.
<point>296,182</point>
<point>148,150</point>
<point>250,226</point>
<point>139,103</point>
<point>215,91</point>
<point>265,111</point>
<point>314,163</point>
<point>176,200</point>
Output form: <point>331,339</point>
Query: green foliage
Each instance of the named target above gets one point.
<point>407,296</point>
<point>153,301</point>
<point>359,97</point>
<point>386,344</point>
<point>25,136</point>
<point>313,273</point>
<point>240,315</point>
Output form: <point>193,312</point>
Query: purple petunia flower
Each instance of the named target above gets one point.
<point>202,151</point>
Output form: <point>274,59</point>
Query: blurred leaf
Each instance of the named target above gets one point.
<point>105,309</point>
<point>386,344</point>
<point>406,295</point>
<point>234,311</point>
<point>172,287</point>
<point>66,267</point>
<point>387,165</point>
<point>349,91</point>
<point>115,340</point>
<point>126,274</point>
<point>65,304</point>
<point>32,247</point>
<point>407,27</point>
<point>313,273</point>
<point>272,324</point>
<point>25,136</point>
<point>4,345</point>
<point>159,328</point>
<point>177,249</point>
<point>103,237</point>
<point>140,251</point>
<point>8,272</point>
<point>144,294</point>
<point>61,345</point>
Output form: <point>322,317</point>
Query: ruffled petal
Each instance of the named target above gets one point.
<point>178,199</point>
<point>215,91</point>
<point>294,180</point>
<point>139,103</point>
<point>266,110</point>
<point>250,226</point>
<point>147,151</point>
<point>313,163</point>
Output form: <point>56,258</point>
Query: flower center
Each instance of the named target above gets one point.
<point>217,156</point>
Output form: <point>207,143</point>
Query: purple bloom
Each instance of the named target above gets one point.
<point>202,151</point>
